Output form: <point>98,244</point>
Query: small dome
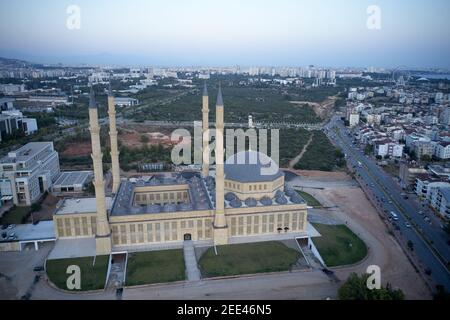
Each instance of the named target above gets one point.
<point>251,202</point>
<point>153,208</point>
<point>236,203</point>
<point>266,201</point>
<point>279,193</point>
<point>185,207</point>
<point>169,207</point>
<point>230,196</point>
<point>281,200</point>
<point>295,198</point>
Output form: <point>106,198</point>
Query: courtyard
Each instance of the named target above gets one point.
<point>155,267</point>
<point>93,272</point>
<point>338,245</point>
<point>248,258</point>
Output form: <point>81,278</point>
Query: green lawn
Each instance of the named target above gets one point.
<point>247,258</point>
<point>15,215</point>
<point>92,277</point>
<point>338,245</point>
<point>310,200</point>
<point>155,267</point>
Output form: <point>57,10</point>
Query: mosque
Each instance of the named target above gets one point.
<point>236,203</point>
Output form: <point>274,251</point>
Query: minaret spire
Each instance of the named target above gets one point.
<point>205,132</point>
<point>220,223</point>
<point>103,233</point>
<point>115,167</point>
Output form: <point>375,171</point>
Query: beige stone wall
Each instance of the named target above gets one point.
<point>161,231</point>
<point>255,190</point>
<point>161,197</point>
<point>171,227</point>
<point>75,225</point>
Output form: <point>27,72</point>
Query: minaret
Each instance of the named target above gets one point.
<point>115,168</point>
<point>205,132</point>
<point>220,223</point>
<point>103,234</point>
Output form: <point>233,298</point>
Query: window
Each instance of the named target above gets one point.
<point>123,234</point>
<point>140,233</point>
<point>264,224</point>
<point>59,225</point>
<point>157,232</point>
<point>84,225</point>
<point>295,221</point>
<point>249,225</point>
<point>199,229</point>
<point>233,226</point>
<point>149,232</point>
<point>133,233</point>
<point>287,218</point>
<point>76,222</point>
<point>166,231</point>
<point>115,234</point>
<point>174,231</point>
<point>241,226</point>
<point>256,224</point>
<point>68,227</point>
<point>208,226</point>
<point>94,225</point>
<point>271,223</point>
<point>250,187</point>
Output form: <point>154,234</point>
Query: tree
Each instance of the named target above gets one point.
<point>355,288</point>
<point>368,149</point>
<point>144,139</point>
<point>425,158</point>
<point>447,228</point>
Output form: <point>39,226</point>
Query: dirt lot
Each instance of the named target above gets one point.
<point>322,175</point>
<point>77,149</point>
<point>354,209</point>
<point>131,136</point>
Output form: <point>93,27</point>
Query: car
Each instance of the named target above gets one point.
<point>38,268</point>
<point>421,212</point>
<point>407,224</point>
<point>119,293</point>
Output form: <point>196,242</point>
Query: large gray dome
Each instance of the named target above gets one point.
<point>251,166</point>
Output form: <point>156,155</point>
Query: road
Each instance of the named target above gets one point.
<point>430,242</point>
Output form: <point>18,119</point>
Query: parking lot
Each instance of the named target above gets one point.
<point>17,277</point>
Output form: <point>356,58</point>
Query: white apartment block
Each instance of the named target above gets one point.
<point>353,119</point>
<point>440,201</point>
<point>441,150</point>
<point>28,172</point>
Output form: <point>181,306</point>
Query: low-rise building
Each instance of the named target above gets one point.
<point>28,172</point>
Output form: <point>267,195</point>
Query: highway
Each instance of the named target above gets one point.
<point>430,241</point>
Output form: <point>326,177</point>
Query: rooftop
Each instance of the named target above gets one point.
<point>44,230</point>
<point>26,152</point>
<point>72,178</point>
<point>80,205</point>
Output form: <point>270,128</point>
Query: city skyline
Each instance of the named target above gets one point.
<point>294,33</point>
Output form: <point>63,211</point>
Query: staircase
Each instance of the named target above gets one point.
<point>190,261</point>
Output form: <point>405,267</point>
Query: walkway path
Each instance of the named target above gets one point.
<point>192,271</point>
<point>294,161</point>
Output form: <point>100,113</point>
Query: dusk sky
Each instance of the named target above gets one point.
<point>331,33</point>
